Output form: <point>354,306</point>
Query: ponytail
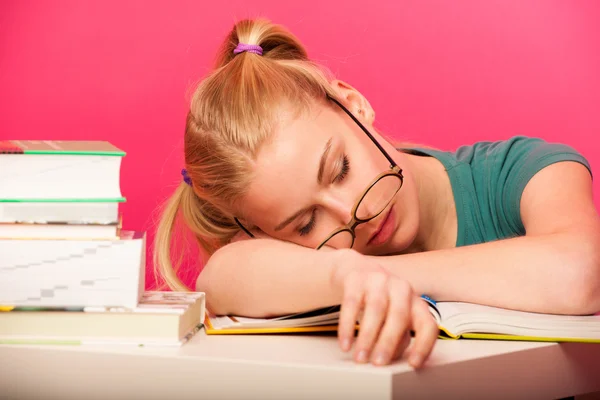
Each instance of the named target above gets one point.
<point>211,228</point>
<point>233,112</point>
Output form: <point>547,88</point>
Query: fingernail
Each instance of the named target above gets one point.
<point>346,344</point>
<point>415,360</point>
<point>380,359</point>
<point>362,356</point>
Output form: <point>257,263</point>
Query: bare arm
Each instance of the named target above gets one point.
<point>388,303</point>
<point>555,268</point>
<point>543,274</point>
<point>551,274</point>
<point>265,277</point>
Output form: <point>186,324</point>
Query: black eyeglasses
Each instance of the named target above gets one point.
<point>372,201</point>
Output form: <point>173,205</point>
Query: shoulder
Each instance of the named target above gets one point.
<point>517,158</point>
<point>520,155</point>
<point>501,170</point>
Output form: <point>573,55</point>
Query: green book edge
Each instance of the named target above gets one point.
<point>77,153</point>
<point>94,200</point>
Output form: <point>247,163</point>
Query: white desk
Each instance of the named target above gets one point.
<point>295,367</point>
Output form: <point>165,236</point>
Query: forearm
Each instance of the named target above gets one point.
<point>556,273</point>
<point>265,277</point>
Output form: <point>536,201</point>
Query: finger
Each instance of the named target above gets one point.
<point>376,304</point>
<point>396,323</point>
<point>402,346</point>
<point>426,333</point>
<point>351,306</point>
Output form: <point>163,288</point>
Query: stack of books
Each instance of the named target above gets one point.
<point>68,272</point>
<point>160,318</point>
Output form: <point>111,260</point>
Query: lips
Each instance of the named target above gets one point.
<point>381,225</point>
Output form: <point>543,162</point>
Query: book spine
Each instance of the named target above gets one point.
<point>64,200</point>
<point>8,147</point>
<point>50,147</point>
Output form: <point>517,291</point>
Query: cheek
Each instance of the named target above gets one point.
<point>408,223</point>
<point>407,207</point>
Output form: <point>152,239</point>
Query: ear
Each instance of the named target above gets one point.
<point>354,101</point>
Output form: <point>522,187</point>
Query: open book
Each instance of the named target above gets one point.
<point>455,320</point>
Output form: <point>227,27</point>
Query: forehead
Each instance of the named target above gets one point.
<point>285,169</point>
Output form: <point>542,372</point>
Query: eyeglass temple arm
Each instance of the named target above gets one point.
<point>242,227</point>
<point>375,142</point>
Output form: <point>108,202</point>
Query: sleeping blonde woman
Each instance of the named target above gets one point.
<point>302,203</point>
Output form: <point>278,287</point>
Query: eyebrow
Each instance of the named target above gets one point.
<point>322,163</point>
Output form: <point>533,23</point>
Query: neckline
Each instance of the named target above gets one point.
<point>451,166</point>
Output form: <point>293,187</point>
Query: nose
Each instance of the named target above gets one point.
<point>338,206</point>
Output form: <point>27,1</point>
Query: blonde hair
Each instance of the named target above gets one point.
<point>232,113</point>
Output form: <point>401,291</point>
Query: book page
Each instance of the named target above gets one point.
<point>459,318</point>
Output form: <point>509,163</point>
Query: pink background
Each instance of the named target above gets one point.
<point>444,73</point>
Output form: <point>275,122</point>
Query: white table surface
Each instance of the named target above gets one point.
<point>295,367</point>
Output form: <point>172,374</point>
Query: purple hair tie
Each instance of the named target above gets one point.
<point>251,48</point>
<point>186,177</point>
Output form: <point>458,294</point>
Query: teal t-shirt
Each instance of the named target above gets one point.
<point>488,179</point>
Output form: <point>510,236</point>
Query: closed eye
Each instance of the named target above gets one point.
<point>306,229</point>
<point>344,170</point>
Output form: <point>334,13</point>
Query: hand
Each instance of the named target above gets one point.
<point>390,310</point>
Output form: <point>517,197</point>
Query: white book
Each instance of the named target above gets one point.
<point>59,231</point>
<point>41,212</point>
<point>54,170</point>
<point>73,273</point>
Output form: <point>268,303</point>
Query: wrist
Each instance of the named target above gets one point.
<point>342,262</point>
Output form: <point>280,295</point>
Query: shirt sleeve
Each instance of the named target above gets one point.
<point>518,160</point>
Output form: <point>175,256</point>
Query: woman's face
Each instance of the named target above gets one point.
<point>311,174</point>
